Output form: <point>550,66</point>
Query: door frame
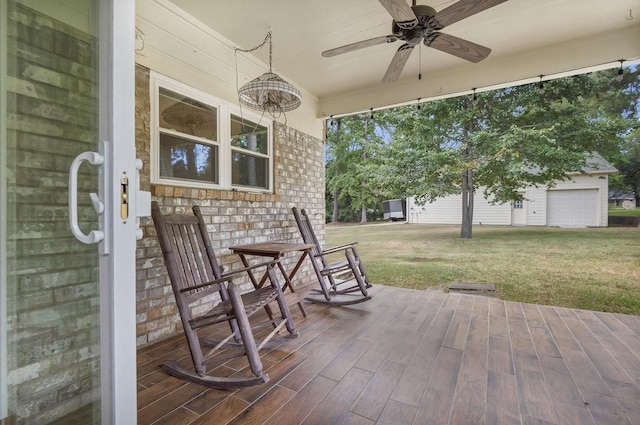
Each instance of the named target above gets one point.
<point>523,213</point>
<point>116,35</point>
<point>117,269</point>
<point>3,213</point>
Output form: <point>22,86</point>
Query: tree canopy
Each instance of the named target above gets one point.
<point>352,146</point>
<point>498,141</point>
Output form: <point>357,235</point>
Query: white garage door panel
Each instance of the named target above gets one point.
<point>572,207</point>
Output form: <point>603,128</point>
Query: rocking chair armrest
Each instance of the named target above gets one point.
<point>230,275</point>
<point>339,248</point>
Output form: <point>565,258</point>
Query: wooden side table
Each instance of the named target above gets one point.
<point>275,250</point>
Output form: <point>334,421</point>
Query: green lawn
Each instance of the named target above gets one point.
<point>594,269</point>
<point>619,211</point>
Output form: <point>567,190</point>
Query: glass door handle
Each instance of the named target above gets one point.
<point>94,236</point>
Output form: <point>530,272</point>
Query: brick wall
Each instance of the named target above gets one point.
<point>233,217</point>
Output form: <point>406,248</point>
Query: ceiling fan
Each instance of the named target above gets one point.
<point>421,23</point>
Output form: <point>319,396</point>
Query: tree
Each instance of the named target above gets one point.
<point>351,146</point>
<point>335,163</point>
<point>627,159</point>
<point>505,140</point>
<point>630,164</point>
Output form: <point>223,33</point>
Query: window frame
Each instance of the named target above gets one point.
<point>248,152</point>
<point>225,149</point>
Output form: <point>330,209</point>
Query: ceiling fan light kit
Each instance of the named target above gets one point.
<point>421,23</point>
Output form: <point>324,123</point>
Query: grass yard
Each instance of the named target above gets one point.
<point>626,213</point>
<point>593,269</point>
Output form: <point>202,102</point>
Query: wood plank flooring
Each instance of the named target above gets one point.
<point>420,357</point>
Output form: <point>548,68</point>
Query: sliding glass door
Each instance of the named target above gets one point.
<point>58,358</point>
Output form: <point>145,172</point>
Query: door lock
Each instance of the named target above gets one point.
<point>124,197</point>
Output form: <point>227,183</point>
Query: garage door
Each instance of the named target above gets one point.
<point>572,207</point>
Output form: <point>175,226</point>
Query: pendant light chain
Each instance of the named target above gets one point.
<point>270,49</point>
<point>268,93</point>
<point>267,38</point>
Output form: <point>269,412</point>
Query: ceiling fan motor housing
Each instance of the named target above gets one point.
<point>424,14</point>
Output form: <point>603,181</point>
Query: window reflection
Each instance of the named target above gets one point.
<point>186,115</point>
<point>249,135</point>
<point>185,159</point>
<point>250,170</point>
<point>249,149</point>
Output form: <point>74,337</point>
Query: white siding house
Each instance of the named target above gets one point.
<point>580,201</point>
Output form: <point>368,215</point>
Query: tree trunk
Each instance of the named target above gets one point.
<point>467,185</point>
<point>363,184</point>
<point>467,204</point>
<point>336,194</point>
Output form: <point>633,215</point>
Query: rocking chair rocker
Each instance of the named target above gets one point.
<point>342,282</point>
<point>195,273</point>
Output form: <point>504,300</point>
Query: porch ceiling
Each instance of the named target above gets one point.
<point>527,38</point>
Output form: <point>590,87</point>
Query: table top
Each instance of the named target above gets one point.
<point>272,249</point>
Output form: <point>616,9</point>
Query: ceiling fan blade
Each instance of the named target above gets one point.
<point>359,45</point>
<point>401,12</point>
<point>459,47</point>
<point>397,63</point>
<point>463,9</point>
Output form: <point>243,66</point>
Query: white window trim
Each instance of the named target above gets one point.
<point>224,111</point>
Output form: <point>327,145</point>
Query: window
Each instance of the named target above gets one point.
<point>188,142</point>
<point>249,153</point>
<point>201,141</point>
<point>518,205</point>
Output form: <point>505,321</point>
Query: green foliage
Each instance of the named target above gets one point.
<point>629,164</point>
<point>503,141</point>
<point>352,145</point>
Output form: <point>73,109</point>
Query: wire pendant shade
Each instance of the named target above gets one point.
<point>269,93</point>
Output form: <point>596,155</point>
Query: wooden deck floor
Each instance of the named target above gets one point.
<point>422,357</point>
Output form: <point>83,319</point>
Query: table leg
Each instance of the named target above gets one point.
<point>298,264</point>
<point>251,276</point>
<point>288,280</point>
<point>258,285</point>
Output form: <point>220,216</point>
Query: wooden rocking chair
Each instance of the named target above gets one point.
<point>342,282</point>
<point>195,273</point>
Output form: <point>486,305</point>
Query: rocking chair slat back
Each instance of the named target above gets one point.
<point>190,263</point>
<point>308,235</point>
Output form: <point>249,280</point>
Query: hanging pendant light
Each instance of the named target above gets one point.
<point>269,93</point>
